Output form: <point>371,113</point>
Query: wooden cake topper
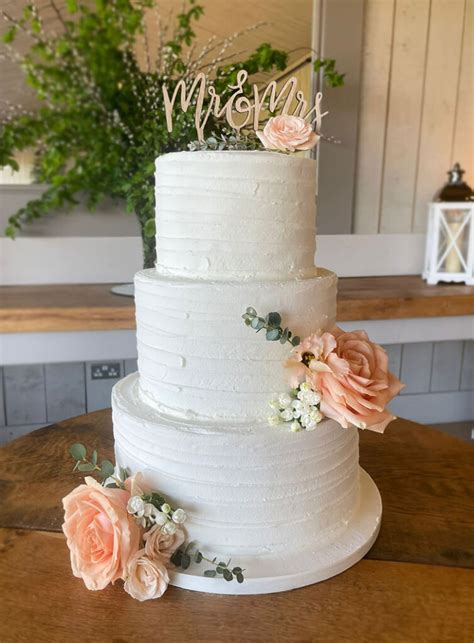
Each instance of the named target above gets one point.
<point>267,98</point>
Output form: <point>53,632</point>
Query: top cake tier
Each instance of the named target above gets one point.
<point>235,215</point>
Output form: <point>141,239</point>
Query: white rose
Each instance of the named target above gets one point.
<point>285,400</point>
<point>161,518</point>
<point>136,506</point>
<point>298,408</point>
<point>169,528</point>
<point>315,415</point>
<point>274,419</point>
<point>150,511</point>
<point>179,516</point>
<point>287,415</point>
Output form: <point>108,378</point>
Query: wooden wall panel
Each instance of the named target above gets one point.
<point>439,103</point>
<point>375,78</point>
<point>463,143</point>
<point>404,111</point>
<point>416,109</point>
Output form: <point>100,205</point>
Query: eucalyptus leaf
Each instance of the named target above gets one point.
<point>86,466</point>
<point>107,469</point>
<point>210,573</point>
<point>240,577</point>
<point>185,561</point>
<point>273,334</point>
<point>295,340</point>
<point>274,319</point>
<point>176,557</point>
<point>78,451</point>
<point>198,557</point>
<point>94,457</point>
<point>228,575</point>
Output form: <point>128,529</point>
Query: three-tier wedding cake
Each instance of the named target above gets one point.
<point>237,229</point>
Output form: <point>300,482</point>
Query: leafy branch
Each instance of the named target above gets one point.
<point>330,74</point>
<point>105,469</point>
<point>272,326</point>
<point>182,558</point>
<point>101,122</point>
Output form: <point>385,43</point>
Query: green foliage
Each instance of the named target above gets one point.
<point>330,74</point>
<point>101,122</point>
<point>105,470</point>
<point>272,325</point>
<point>182,558</point>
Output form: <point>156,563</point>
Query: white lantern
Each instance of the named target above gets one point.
<point>450,237</point>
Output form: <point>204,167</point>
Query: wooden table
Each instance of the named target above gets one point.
<point>416,584</point>
<point>93,307</point>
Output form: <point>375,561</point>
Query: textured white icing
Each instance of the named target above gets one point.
<point>197,358</point>
<point>234,229</point>
<point>249,490</point>
<point>235,215</point>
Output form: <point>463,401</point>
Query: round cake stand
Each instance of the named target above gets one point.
<point>305,568</point>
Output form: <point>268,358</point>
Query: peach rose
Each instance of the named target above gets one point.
<point>307,355</point>
<point>100,533</point>
<point>351,374</point>
<point>145,578</point>
<point>288,133</point>
<point>162,545</point>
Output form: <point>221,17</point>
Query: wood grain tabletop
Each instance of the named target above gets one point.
<point>67,307</point>
<point>416,583</point>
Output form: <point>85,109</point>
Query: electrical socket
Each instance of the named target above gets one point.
<point>105,371</point>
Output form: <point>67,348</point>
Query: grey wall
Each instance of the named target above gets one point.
<point>39,394</point>
<point>439,381</point>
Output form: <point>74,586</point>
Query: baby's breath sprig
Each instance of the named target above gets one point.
<point>183,557</point>
<point>272,325</point>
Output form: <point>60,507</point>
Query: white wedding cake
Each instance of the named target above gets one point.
<point>237,229</point>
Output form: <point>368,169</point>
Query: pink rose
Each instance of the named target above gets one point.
<point>162,545</point>
<point>100,533</point>
<point>145,578</point>
<point>288,133</point>
<point>351,374</point>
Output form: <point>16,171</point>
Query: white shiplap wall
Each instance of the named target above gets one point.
<point>415,115</point>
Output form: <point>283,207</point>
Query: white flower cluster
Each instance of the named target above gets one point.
<point>300,408</point>
<point>147,515</point>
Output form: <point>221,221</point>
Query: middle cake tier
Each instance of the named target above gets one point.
<point>197,358</point>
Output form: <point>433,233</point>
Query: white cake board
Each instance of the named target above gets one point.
<point>305,568</point>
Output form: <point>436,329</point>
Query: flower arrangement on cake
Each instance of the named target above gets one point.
<point>120,530</point>
<point>338,375</point>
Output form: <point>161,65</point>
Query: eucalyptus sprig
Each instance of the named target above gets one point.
<point>226,141</point>
<point>182,558</point>
<point>105,469</point>
<point>272,326</point>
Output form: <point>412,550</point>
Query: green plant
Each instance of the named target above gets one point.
<point>100,123</point>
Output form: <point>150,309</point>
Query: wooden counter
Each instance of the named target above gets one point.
<point>415,584</point>
<point>94,307</point>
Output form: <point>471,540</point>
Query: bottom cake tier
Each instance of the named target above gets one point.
<point>290,508</point>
